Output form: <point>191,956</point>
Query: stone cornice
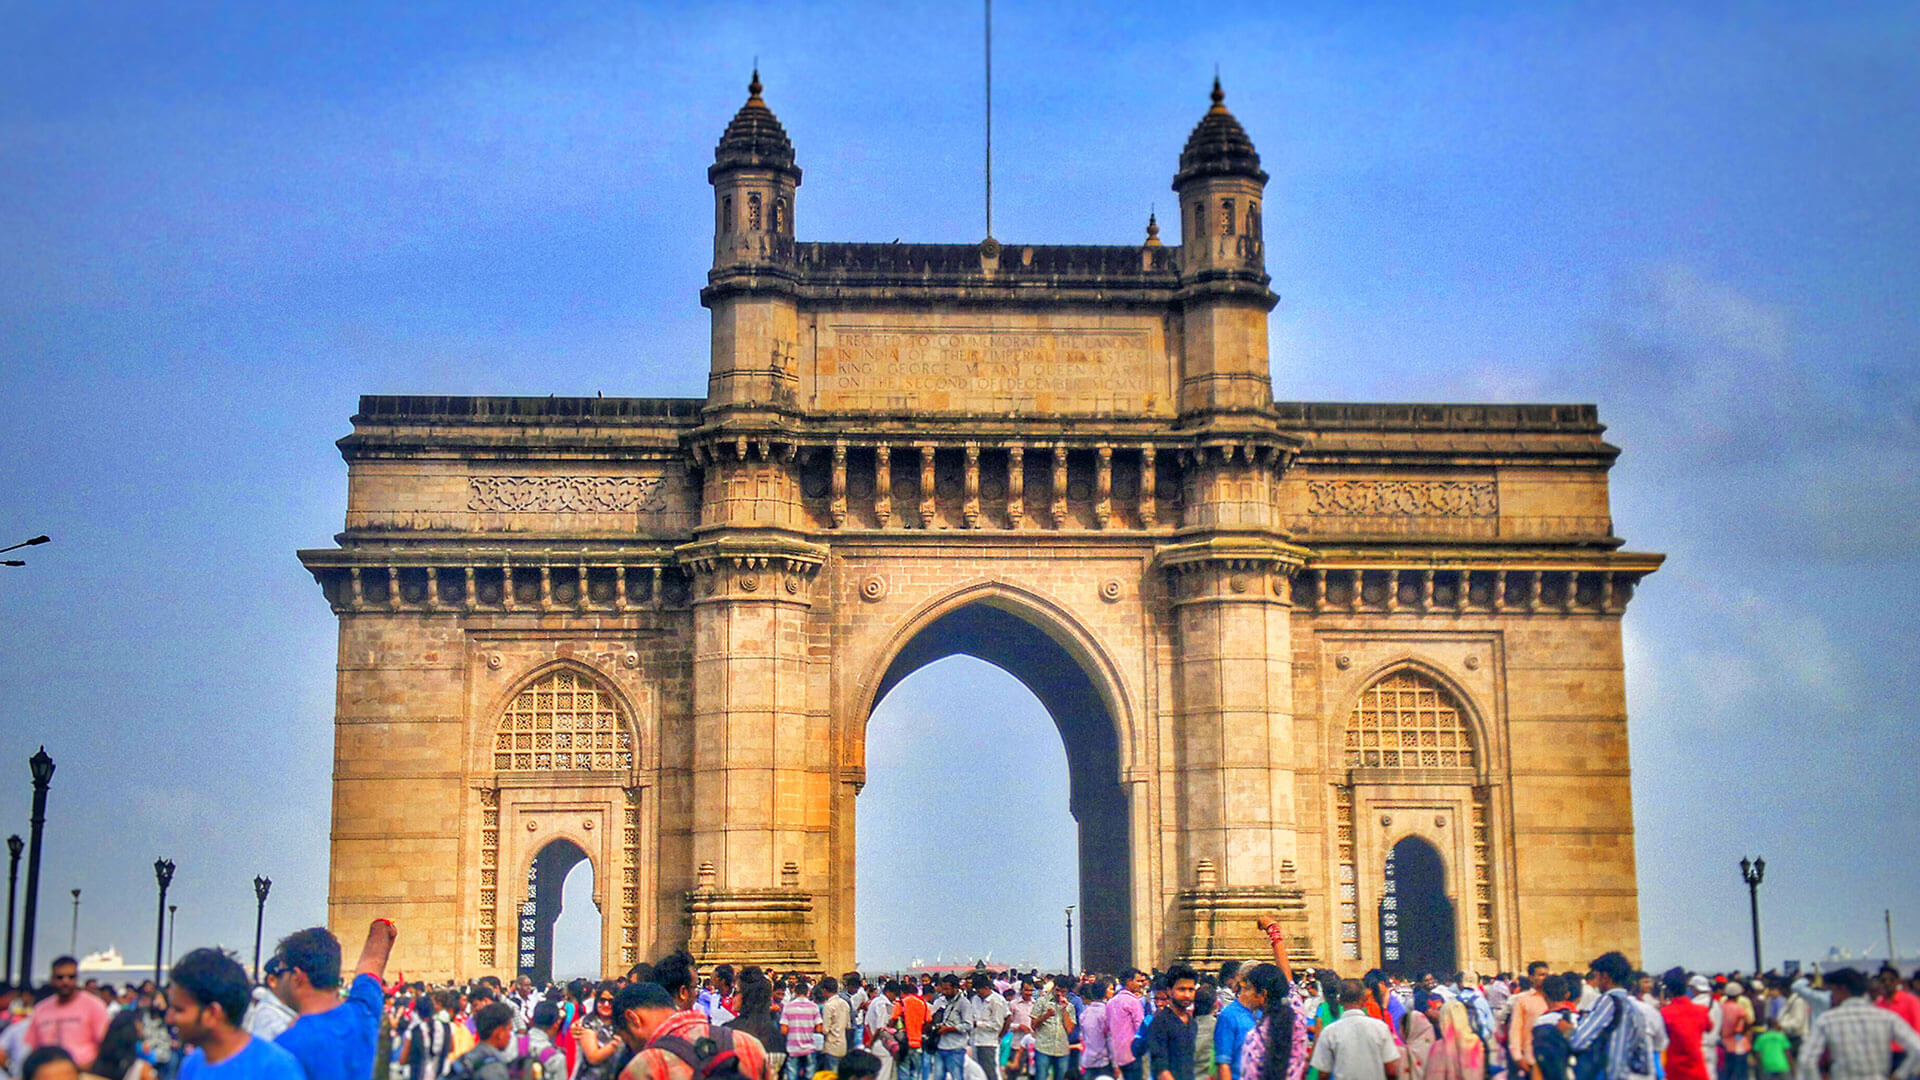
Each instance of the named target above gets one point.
<point>784,554</point>
<point>456,581</point>
<point>1536,582</point>
<point>1233,551</point>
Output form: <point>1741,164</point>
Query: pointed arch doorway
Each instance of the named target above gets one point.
<point>1012,640</point>
<point>1417,928</point>
<point>546,882</point>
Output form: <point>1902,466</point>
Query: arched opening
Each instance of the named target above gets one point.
<point>578,927</point>
<point>546,882</point>
<point>1417,933</point>
<point>1410,747</point>
<point>1096,800</point>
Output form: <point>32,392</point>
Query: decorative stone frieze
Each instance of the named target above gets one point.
<point>566,494</point>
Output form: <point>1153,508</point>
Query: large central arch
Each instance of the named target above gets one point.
<point>995,628</point>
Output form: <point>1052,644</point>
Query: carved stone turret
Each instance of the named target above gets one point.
<point>1223,266</point>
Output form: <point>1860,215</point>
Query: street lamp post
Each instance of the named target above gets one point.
<point>162,873</point>
<point>173,923</point>
<point>35,542</point>
<point>42,767</point>
<point>260,887</point>
<point>14,846</point>
<point>73,941</point>
<point>1753,873</point>
<point>1069,939</point>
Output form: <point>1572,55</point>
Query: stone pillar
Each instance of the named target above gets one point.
<point>1234,742</point>
<point>755,767</point>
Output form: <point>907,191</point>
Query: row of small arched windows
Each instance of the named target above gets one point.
<point>1230,221</point>
<point>755,219</point>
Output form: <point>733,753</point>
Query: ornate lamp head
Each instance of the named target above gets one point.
<point>42,766</point>
<point>260,887</point>
<point>14,846</point>
<point>163,872</point>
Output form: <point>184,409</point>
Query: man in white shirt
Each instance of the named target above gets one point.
<point>1356,1046</point>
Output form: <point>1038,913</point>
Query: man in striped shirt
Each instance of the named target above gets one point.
<point>1624,1053</point>
<point>1854,1040</point>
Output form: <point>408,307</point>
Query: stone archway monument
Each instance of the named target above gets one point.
<point>656,628</point>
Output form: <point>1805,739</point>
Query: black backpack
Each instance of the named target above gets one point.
<point>711,1056</point>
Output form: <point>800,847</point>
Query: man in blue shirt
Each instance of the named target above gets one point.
<point>207,995</point>
<point>332,1039</point>
<point>1230,1033</point>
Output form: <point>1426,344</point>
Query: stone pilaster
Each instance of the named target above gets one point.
<point>1234,741</point>
<point>755,767</point>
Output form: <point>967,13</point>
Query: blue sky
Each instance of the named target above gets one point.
<point>219,224</point>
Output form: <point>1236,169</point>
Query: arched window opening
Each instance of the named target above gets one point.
<point>780,216</point>
<point>1253,219</point>
<point>1408,721</point>
<point>726,214</point>
<point>563,721</point>
<point>1227,216</point>
<point>753,211</point>
<point>1199,219</point>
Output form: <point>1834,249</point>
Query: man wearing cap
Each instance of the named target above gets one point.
<point>268,1016</point>
<point>1703,996</point>
<point>1856,1039</point>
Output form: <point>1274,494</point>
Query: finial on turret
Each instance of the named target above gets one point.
<point>1153,230</point>
<point>1219,95</point>
<point>754,87</point>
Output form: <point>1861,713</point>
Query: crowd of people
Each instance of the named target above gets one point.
<point>309,1019</point>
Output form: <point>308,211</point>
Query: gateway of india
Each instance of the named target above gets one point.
<point>1357,664</point>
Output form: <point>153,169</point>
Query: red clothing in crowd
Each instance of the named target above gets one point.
<point>1686,1023</point>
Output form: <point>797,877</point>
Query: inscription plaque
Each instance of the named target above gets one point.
<point>981,369</point>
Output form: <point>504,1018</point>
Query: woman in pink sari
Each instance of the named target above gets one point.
<point>1416,1031</point>
<point>1458,1054</point>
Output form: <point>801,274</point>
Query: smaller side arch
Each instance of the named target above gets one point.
<point>544,873</point>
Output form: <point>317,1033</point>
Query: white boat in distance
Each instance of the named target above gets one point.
<point>110,960</point>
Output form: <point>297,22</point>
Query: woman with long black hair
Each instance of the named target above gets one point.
<point>1277,1047</point>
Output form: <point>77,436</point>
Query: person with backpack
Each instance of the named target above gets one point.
<point>426,1042</point>
<point>1612,1040</point>
<point>491,1054</point>
<point>680,1044</point>
<point>537,1055</point>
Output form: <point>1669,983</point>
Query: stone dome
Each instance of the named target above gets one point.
<point>754,139</point>
<point>1218,146</point>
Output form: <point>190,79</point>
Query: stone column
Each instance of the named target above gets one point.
<point>1234,743</point>
<point>757,766</point>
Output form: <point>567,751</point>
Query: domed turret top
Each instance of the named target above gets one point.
<point>1218,146</point>
<point>755,138</point>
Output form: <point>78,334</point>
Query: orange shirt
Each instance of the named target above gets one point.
<point>913,1013</point>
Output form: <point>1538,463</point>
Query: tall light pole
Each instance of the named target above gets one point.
<point>260,887</point>
<point>14,846</point>
<point>35,542</point>
<point>173,923</point>
<point>1753,873</point>
<point>42,767</point>
<point>1070,939</point>
<point>73,941</point>
<point>162,873</point>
